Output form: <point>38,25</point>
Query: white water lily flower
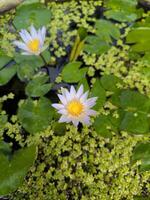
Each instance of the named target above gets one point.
<point>33,42</point>
<point>75,106</point>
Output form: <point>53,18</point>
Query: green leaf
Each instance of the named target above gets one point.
<point>27,65</point>
<point>140,39</point>
<point>5,148</point>
<point>142,152</point>
<point>136,123</point>
<point>121,16</point>
<point>96,45</point>
<point>35,115</point>
<point>29,14</point>
<point>132,101</point>
<point>38,86</point>
<point>122,10</point>
<point>7,73</point>
<point>84,83</point>
<point>98,91</point>
<point>59,128</point>
<point>109,82</point>
<point>13,172</point>
<point>100,43</point>
<point>107,30</point>
<point>4,59</point>
<point>25,71</point>
<point>102,126</point>
<point>35,61</point>
<point>72,73</point>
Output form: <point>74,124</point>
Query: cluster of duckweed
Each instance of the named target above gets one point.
<point>66,19</point>
<point>83,165</point>
<point>135,74</point>
<point>6,33</point>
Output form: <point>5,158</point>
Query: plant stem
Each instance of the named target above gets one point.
<point>43,59</point>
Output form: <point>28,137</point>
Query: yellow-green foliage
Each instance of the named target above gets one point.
<point>83,165</point>
<point>116,61</point>
<point>6,35</point>
<point>66,15</point>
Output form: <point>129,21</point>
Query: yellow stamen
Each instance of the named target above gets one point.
<point>34,45</point>
<point>75,108</point>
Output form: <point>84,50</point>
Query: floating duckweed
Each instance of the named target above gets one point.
<point>83,166</point>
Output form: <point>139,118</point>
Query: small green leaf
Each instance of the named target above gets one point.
<point>109,82</point>
<point>13,172</point>
<point>100,43</point>
<point>96,45</point>
<point>132,101</point>
<point>102,126</point>
<point>122,10</point>
<point>140,39</point>
<point>25,71</point>
<point>7,73</point>
<point>38,86</point>
<point>142,152</point>
<point>84,83</point>
<point>5,148</point>
<point>4,59</point>
<point>136,123</point>
<point>29,14</point>
<point>72,73</point>
<point>121,16</point>
<point>98,91</point>
<point>59,128</point>
<point>35,115</point>
<point>107,30</point>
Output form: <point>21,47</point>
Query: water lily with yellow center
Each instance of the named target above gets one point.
<point>75,106</point>
<point>33,41</point>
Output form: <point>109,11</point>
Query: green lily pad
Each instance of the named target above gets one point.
<point>36,115</point>
<point>37,86</point>
<point>29,14</point>
<point>142,152</point>
<point>12,172</point>
<point>72,73</point>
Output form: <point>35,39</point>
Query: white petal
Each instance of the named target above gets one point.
<point>84,96</point>
<point>33,32</point>
<point>64,118</point>
<point>27,53</point>
<point>40,38</point>
<point>91,102</point>
<point>72,92</point>
<point>63,112</point>
<point>58,106</point>
<point>75,122</point>
<point>63,90</point>
<point>86,120</point>
<point>62,99</point>
<point>23,36</point>
<point>79,92</point>
<point>66,94</point>
<point>26,35</point>
<point>43,32</point>
<point>21,45</point>
<point>91,112</point>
